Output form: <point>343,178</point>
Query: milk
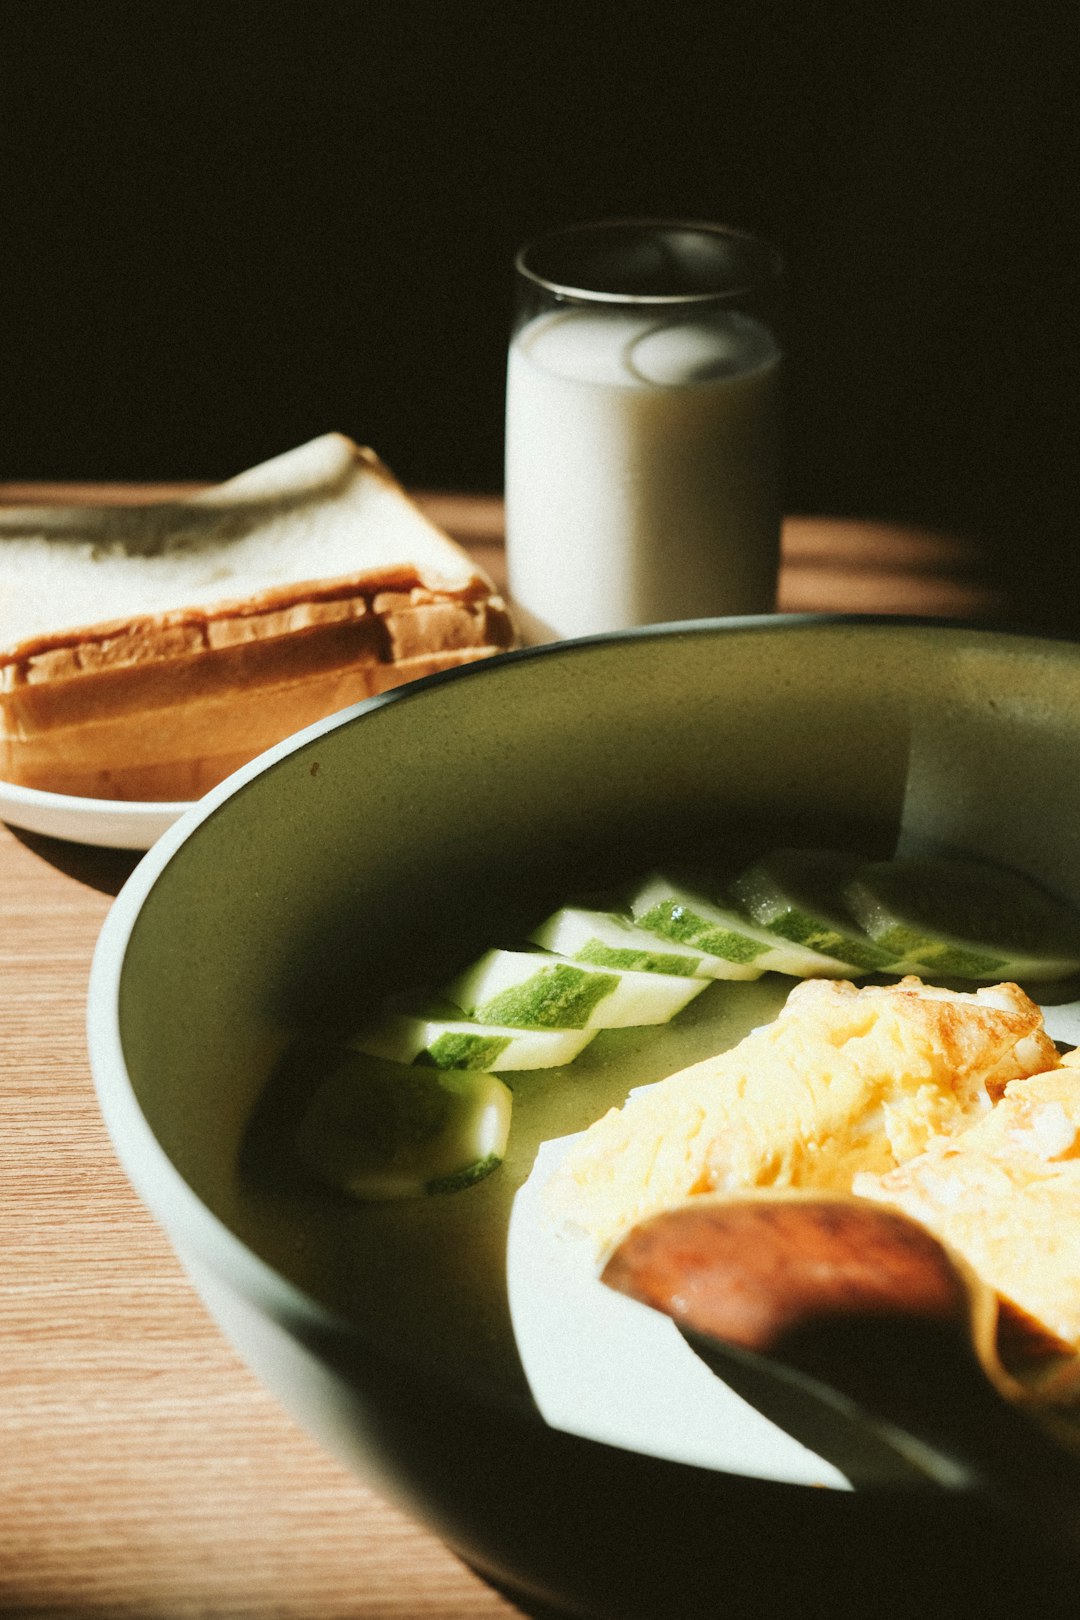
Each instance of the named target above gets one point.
<point>642,477</point>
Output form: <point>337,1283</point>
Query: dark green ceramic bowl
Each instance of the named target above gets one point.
<point>400,838</point>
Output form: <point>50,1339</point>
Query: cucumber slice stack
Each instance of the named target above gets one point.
<point>962,919</point>
<point>726,935</point>
<point>798,894</point>
<point>417,1104</point>
<point>380,1130</point>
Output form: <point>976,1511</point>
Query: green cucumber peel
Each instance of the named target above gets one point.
<point>632,960</point>
<point>468,1177</point>
<point>818,935</point>
<point>559,996</point>
<point>455,1049</point>
<point>609,939</point>
<point>958,962</point>
<point>677,921</point>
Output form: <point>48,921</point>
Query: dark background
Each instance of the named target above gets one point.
<point>227,226</point>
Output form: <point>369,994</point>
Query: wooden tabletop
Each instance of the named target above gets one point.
<point>143,1471</point>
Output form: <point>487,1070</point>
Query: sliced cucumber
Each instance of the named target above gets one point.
<point>799,895</point>
<point>461,1043</point>
<point>687,916</point>
<point>538,990</point>
<point>605,939</point>
<point>965,920</point>
<point>380,1130</point>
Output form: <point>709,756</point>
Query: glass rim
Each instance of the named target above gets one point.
<point>770,262</point>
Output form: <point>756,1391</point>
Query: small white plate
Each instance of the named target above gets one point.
<point>110,823</point>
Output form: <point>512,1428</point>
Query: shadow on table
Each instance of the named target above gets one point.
<point>106,870</point>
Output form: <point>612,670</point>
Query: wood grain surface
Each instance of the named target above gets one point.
<point>143,1471</point>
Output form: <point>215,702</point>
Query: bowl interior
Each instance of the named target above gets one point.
<point>392,846</point>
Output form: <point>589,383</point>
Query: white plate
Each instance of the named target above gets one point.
<point>111,823</point>
<point>604,1367</point>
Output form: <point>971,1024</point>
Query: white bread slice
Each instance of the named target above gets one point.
<point>147,651</point>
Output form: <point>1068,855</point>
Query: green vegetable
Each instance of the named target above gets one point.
<point>605,939</point>
<point>964,919</point>
<point>798,894</point>
<point>538,990</point>
<point>690,917</point>
<point>461,1043</point>
<point>379,1130</point>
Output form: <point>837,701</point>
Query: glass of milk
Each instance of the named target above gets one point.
<point>642,428</point>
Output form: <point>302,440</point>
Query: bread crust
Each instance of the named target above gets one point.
<point>206,737</point>
<point>162,706</point>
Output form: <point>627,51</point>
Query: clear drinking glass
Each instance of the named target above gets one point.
<point>643,427</point>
